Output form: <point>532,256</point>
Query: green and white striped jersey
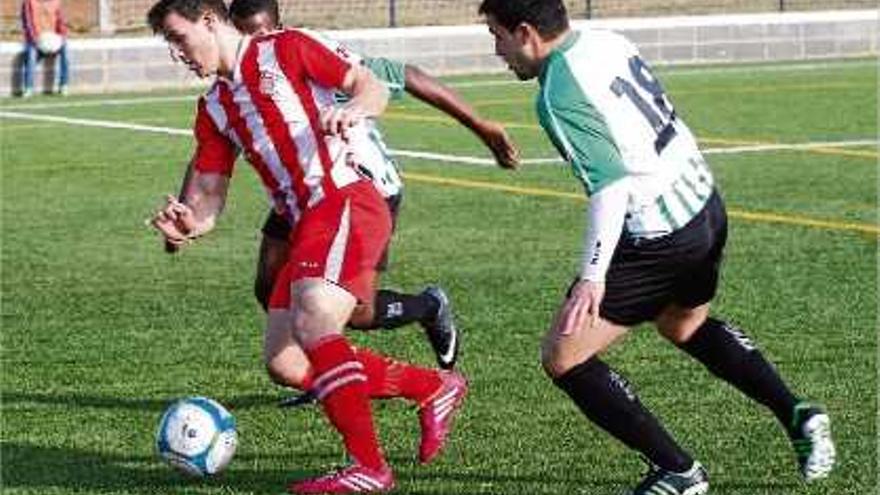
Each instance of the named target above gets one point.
<point>610,119</point>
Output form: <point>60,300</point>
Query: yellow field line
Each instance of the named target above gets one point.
<point>873,230</point>
<point>437,119</point>
<point>871,155</point>
<point>732,142</point>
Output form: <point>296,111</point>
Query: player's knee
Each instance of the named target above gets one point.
<point>362,317</point>
<point>679,324</point>
<point>556,361</point>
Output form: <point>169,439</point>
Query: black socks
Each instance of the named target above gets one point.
<point>607,400</point>
<point>395,309</point>
<point>731,356</point>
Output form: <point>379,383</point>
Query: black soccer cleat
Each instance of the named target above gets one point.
<point>810,434</point>
<point>306,398</point>
<point>441,330</point>
<point>659,481</point>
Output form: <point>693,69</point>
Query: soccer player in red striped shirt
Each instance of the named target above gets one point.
<point>273,100</point>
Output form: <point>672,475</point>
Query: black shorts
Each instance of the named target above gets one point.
<point>647,275</point>
<point>277,227</point>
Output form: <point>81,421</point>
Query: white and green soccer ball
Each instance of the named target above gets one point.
<point>197,436</point>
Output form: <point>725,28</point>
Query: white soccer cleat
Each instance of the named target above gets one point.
<point>811,438</point>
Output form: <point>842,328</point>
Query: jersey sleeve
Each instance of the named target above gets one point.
<point>577,129</point>
<point>606,213</point>
<point>215,152</point>
<point>391,72</point>
<point>322,60</point>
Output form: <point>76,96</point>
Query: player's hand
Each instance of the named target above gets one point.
<point>581,307</point>
<point>175,221</point>
<point>338,119</point>
<point>495,137</point>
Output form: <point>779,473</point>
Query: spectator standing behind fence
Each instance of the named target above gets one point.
<point>45,35</point>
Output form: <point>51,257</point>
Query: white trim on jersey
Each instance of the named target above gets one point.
<point>299,127</point>
<point>340,172</point>
<point>262,144</point>
<point>336,255</point>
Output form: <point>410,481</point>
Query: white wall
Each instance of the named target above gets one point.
<point>117,64</point>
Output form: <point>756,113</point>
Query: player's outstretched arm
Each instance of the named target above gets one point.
<point>442,97</point>
<point>194,213</point>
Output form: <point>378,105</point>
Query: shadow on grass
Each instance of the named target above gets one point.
<point>109,402</point>
<point>39,469</point>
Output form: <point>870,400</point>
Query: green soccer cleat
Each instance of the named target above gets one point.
<point>659,481</point>
<point>810,434</point>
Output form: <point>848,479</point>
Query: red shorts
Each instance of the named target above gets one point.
<point>340,240</point>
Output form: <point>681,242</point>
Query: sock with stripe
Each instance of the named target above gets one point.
<point>607,400</point>
<point>340,384</point>
<point>388,378</point>
<point>729,354</point>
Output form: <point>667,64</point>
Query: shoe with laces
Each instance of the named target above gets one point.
<point>441,330</point>
<point>437,413</point>
<point>352,479</point>
<point>810,435</point>
<point>659,481</point>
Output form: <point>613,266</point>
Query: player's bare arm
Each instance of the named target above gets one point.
<point>369,97</point>
<point>433,92</point>
<point>181,221</point>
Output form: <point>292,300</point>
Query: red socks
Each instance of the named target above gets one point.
<point>387,378</point>
<point>340,383</point>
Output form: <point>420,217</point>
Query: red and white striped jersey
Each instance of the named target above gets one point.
<point>270,110</point>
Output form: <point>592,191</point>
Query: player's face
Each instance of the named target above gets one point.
<point>257,24</point>
<point>192,43</point>
<point>513,49</point>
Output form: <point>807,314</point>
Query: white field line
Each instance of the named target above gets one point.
<point>471,160</point>
<point>690,70</point>
<point>96,123</point>
<point>668,70</point>
<point>100,103</point>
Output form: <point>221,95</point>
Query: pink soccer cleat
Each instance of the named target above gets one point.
<point>352,479</point>
<point>436,414</point>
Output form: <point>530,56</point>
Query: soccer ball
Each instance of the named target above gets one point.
<point>49,42</point>
<point>197,436</point>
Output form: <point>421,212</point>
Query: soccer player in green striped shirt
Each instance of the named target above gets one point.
<point>656,229</point>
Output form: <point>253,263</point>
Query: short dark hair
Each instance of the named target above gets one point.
<point>548,17</point>
<point>242,9</point>
<point>188,9</point>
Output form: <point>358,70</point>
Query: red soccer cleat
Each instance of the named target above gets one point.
<point>436,414</point>
<point>352,479</point>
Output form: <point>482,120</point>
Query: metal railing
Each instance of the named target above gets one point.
<point>93,17</point>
